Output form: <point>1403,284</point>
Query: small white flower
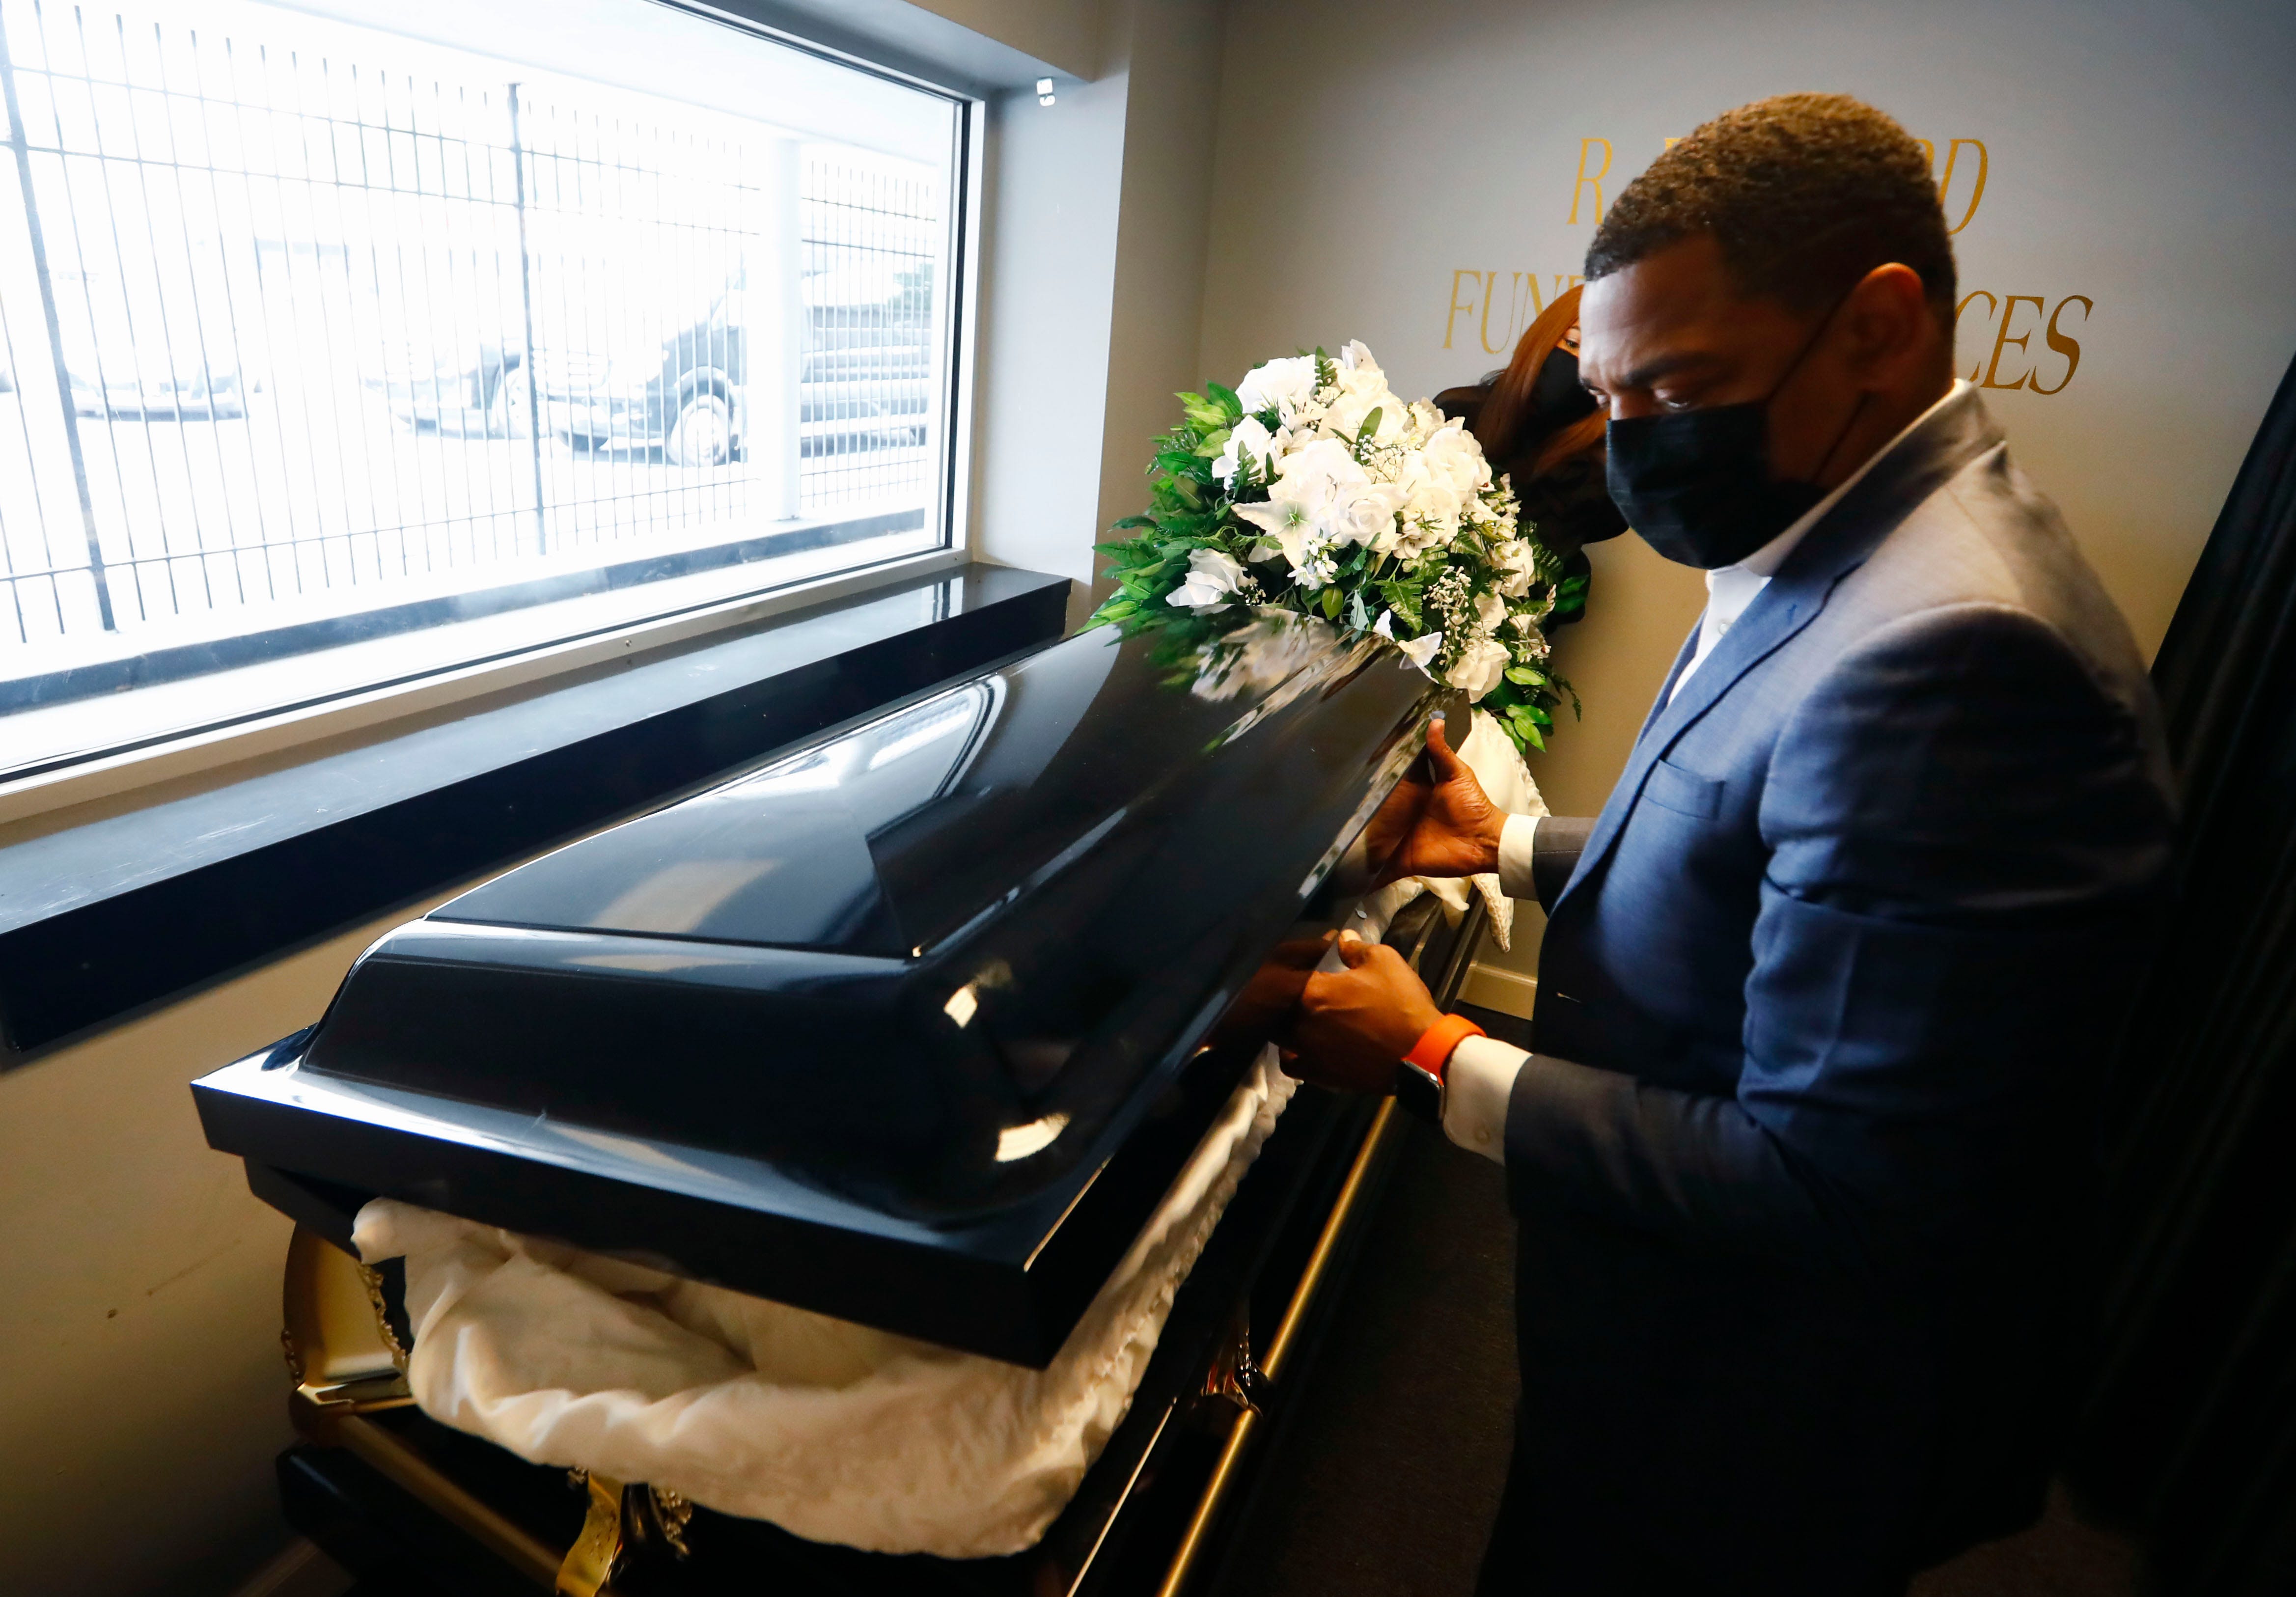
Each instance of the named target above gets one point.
<point>1417,650</point>
<point>1480,666</point>
<point>1213,578</point>
<point>1284,385</point>
<point>1249,441</point>
<point>1422,652</point>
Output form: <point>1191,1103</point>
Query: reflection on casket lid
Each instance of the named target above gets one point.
<point>935,961</point>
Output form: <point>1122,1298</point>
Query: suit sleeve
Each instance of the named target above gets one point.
<point>1537,854</point>
<point>1965,840</point>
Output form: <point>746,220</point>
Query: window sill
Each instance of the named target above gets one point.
<point>122,910</point>
<point>114,699</point>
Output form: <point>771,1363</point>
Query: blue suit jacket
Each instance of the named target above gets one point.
<point>1820,1013</point>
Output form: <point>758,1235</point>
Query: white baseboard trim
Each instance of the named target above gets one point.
<point>300,1571</point>
<point>1509,992</point>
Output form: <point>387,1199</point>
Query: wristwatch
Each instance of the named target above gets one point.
<point>1419,1077</point>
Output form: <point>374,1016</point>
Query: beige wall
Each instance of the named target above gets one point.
<point>142,1393</point>
<point>1095,284</point>
<point>1382,168</point>
<point>1062,33</point>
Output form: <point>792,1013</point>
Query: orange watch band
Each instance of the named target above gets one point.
<point>1432,1051</point>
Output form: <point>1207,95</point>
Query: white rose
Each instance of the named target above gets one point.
<point>1213,578</point>
<point>1478,669</point>
<point>1346,416</point>
<point>1516,565</point>
<point>1365,512</point>
<point>1490,610</point>
<point>1453,455</point>
<point>1284,385</point>
<point>1248,441</point>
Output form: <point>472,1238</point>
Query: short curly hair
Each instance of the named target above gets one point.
<point>1805,193</point>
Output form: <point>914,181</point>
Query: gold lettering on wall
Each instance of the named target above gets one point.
<point>1524,302</point>
<point>2002,341</point>
<point>1590,180</point>
<point>1945,184</point>
<point>2065,344</point>
<point>1452,320</point>
<point>1988,372</point>
<point>2002,324</point>
<point>1490,294</point>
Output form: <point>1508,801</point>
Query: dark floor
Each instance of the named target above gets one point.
<point>1389,1473</point>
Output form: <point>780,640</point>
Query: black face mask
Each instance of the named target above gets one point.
<point>1569,505</point>
<point>1696,483</point>
<point>1556,397</point>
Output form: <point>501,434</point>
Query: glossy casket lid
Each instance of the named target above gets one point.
<point>922,981</point>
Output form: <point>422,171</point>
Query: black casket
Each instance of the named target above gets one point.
<point>913,1024</point>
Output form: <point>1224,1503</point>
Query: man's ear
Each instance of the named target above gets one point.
<point>1888,327</point>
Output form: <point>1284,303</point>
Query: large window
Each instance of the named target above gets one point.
<point>316,336</point>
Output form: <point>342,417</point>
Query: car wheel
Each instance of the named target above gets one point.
<point>510,413</point>
<point>703,433</point>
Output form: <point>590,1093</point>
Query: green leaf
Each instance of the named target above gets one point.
<point>1331,603</point>
<point>1358,617</point>
<point>1202,413</point>
<point>1229,404</point>
<point>1370,427</point>
<point>1524,675</point>
<point>1214,442</point>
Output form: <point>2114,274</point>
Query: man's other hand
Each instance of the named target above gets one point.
<point>1456,832</point>
<point>1353,1026</point>
<point>1265,1006</point>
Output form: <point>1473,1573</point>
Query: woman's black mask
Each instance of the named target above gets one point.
<point>1696,483</point>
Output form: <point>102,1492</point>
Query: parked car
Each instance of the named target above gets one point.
<point>687,394</point>
<point>483,395</point>
<point>834,419</point>
<point>145,352</point>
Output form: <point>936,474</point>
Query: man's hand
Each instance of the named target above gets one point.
<point>1353,1026</point>
<point>1456,830</point>
<point>1265,1005</point>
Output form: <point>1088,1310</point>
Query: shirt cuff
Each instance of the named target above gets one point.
<point>1516,840</point>
<point>1477,1084</point>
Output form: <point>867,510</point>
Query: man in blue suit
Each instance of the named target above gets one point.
<point>1826,989</point>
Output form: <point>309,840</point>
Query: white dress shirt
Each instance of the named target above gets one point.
<point>1480,1077</point>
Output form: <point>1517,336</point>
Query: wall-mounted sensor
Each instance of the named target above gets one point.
<point>1044,91</point>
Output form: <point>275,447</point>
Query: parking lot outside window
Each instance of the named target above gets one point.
<point>313,334</point>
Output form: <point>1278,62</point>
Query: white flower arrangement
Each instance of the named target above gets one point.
<point>1311,487</point>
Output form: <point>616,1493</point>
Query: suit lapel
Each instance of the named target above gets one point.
<point>1920,464</point>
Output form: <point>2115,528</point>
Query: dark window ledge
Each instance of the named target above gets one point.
<point>101,920</point>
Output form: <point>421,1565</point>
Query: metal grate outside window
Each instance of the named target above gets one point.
<point>290,331</point>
